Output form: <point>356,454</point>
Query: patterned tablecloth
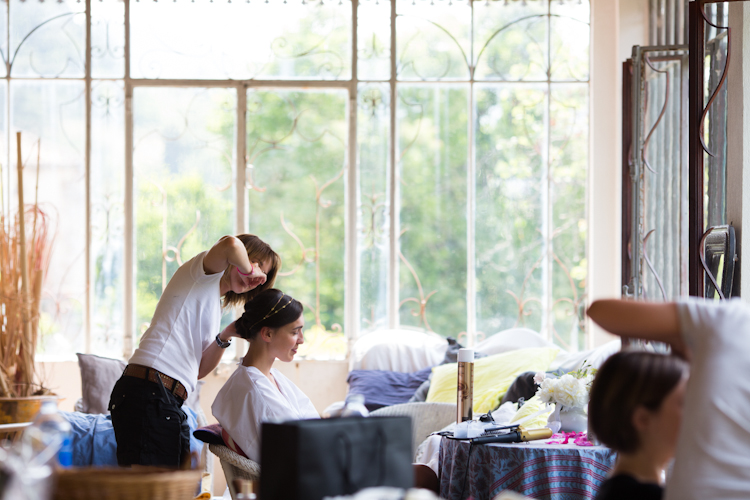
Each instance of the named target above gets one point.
<point>535,469</point>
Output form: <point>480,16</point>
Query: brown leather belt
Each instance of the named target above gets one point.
<point>147,373</point>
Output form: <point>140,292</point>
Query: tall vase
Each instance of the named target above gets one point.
<point>573,419</point>
<point>553,422</point>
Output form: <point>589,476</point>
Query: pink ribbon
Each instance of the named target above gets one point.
<point>579,438</point>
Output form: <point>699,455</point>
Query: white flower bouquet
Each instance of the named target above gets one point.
<point>571,390</point>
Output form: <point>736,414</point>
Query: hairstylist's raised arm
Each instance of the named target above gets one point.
<point>643,320</point>
<point>228,250</point>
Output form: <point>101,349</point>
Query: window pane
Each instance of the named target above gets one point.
<point>184,162</point>
<point>296,150</point>
<point>569,133</point>
<point>509,212</point>
<point>4,165</point>
<point>54,112</point>
<point>239,40</point>
<point>47,39</point>
<point>373,127</point>
<point>510,40</point>
<point>374,40</point>
<point>433,42</point>
<point>715,130</point>
<point>108,39</point>
<point>432,149</point>
<point>107,216</point>
<point>664,193</point>
<point>570,41</point>
<point>3,35</point>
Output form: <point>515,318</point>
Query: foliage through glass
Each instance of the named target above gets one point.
<point>468,172</point>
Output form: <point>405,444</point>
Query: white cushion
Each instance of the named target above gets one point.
<point>571,361</point>
<point>400,350</point>
<point>510,340</point>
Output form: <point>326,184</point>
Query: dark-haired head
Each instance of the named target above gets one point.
<point>626,381</point>
<point>271,308</point>
<point>257,251</point>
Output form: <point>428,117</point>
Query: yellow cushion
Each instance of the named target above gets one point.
<point>532,406</point>
<point>492,376</point>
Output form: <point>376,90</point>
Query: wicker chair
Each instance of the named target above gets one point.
<point>235,466</point>
<point>426,418</point>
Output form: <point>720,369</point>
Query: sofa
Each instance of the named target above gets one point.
<point>405,365</point>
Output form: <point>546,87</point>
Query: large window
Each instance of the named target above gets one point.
<point>416,163</point>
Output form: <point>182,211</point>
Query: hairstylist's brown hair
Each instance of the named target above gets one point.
<point>625,381</point>
<point>271,308</point>
<point>257,251</point>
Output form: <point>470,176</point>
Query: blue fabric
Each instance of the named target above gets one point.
<point>384,388</point>
<point>93,438</point>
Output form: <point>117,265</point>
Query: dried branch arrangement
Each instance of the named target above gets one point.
<point>25,244</point>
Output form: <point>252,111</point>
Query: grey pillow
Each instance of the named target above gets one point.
<point>98,377</point>
<point>420,395</point>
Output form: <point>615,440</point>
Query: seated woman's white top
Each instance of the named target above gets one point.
<point>249,398</point>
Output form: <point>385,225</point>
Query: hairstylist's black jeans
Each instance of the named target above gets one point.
<point>150,426</point>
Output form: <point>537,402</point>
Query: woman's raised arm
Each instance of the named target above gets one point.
<point>228,250</point>
<point>643,320</point>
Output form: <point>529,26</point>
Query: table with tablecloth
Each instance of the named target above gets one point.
<point>535,469</point>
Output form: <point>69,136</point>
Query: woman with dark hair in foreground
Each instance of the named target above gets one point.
<point>635,408</point>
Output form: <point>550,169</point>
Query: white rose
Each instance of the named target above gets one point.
<point>546,390</point>
<point>567,390</point>
<point>539,377</point>
<point>582,397</point>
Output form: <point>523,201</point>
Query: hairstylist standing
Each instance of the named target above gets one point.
<point>181,346</point>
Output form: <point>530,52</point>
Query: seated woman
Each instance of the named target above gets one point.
<point>256,392</point>
<point>635,408</point>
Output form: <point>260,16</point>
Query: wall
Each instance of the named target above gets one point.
<point>617,25</point>
<point>633,24</point>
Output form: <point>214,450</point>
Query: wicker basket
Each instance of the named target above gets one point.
<point>96,483</point>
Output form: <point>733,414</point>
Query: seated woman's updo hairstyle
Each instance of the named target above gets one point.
<point>271,308</point>
<point>625,381</point>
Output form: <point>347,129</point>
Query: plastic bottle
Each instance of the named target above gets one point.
<point>354,406</point>
<point>49,437</point>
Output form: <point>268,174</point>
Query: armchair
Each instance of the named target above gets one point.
<point>426,418</point>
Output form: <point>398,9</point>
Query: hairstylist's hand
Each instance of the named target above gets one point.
<point>229,332</point>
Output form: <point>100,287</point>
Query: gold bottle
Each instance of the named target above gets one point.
<point>465,385</point>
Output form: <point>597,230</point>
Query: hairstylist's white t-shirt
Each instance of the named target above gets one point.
<point>249,398</point>
<point>186,320</point>
<point>713,451</point>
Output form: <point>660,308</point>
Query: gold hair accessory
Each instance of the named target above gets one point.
<point>273,310</point>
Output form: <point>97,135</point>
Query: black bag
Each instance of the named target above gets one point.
<point>310,459</point>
